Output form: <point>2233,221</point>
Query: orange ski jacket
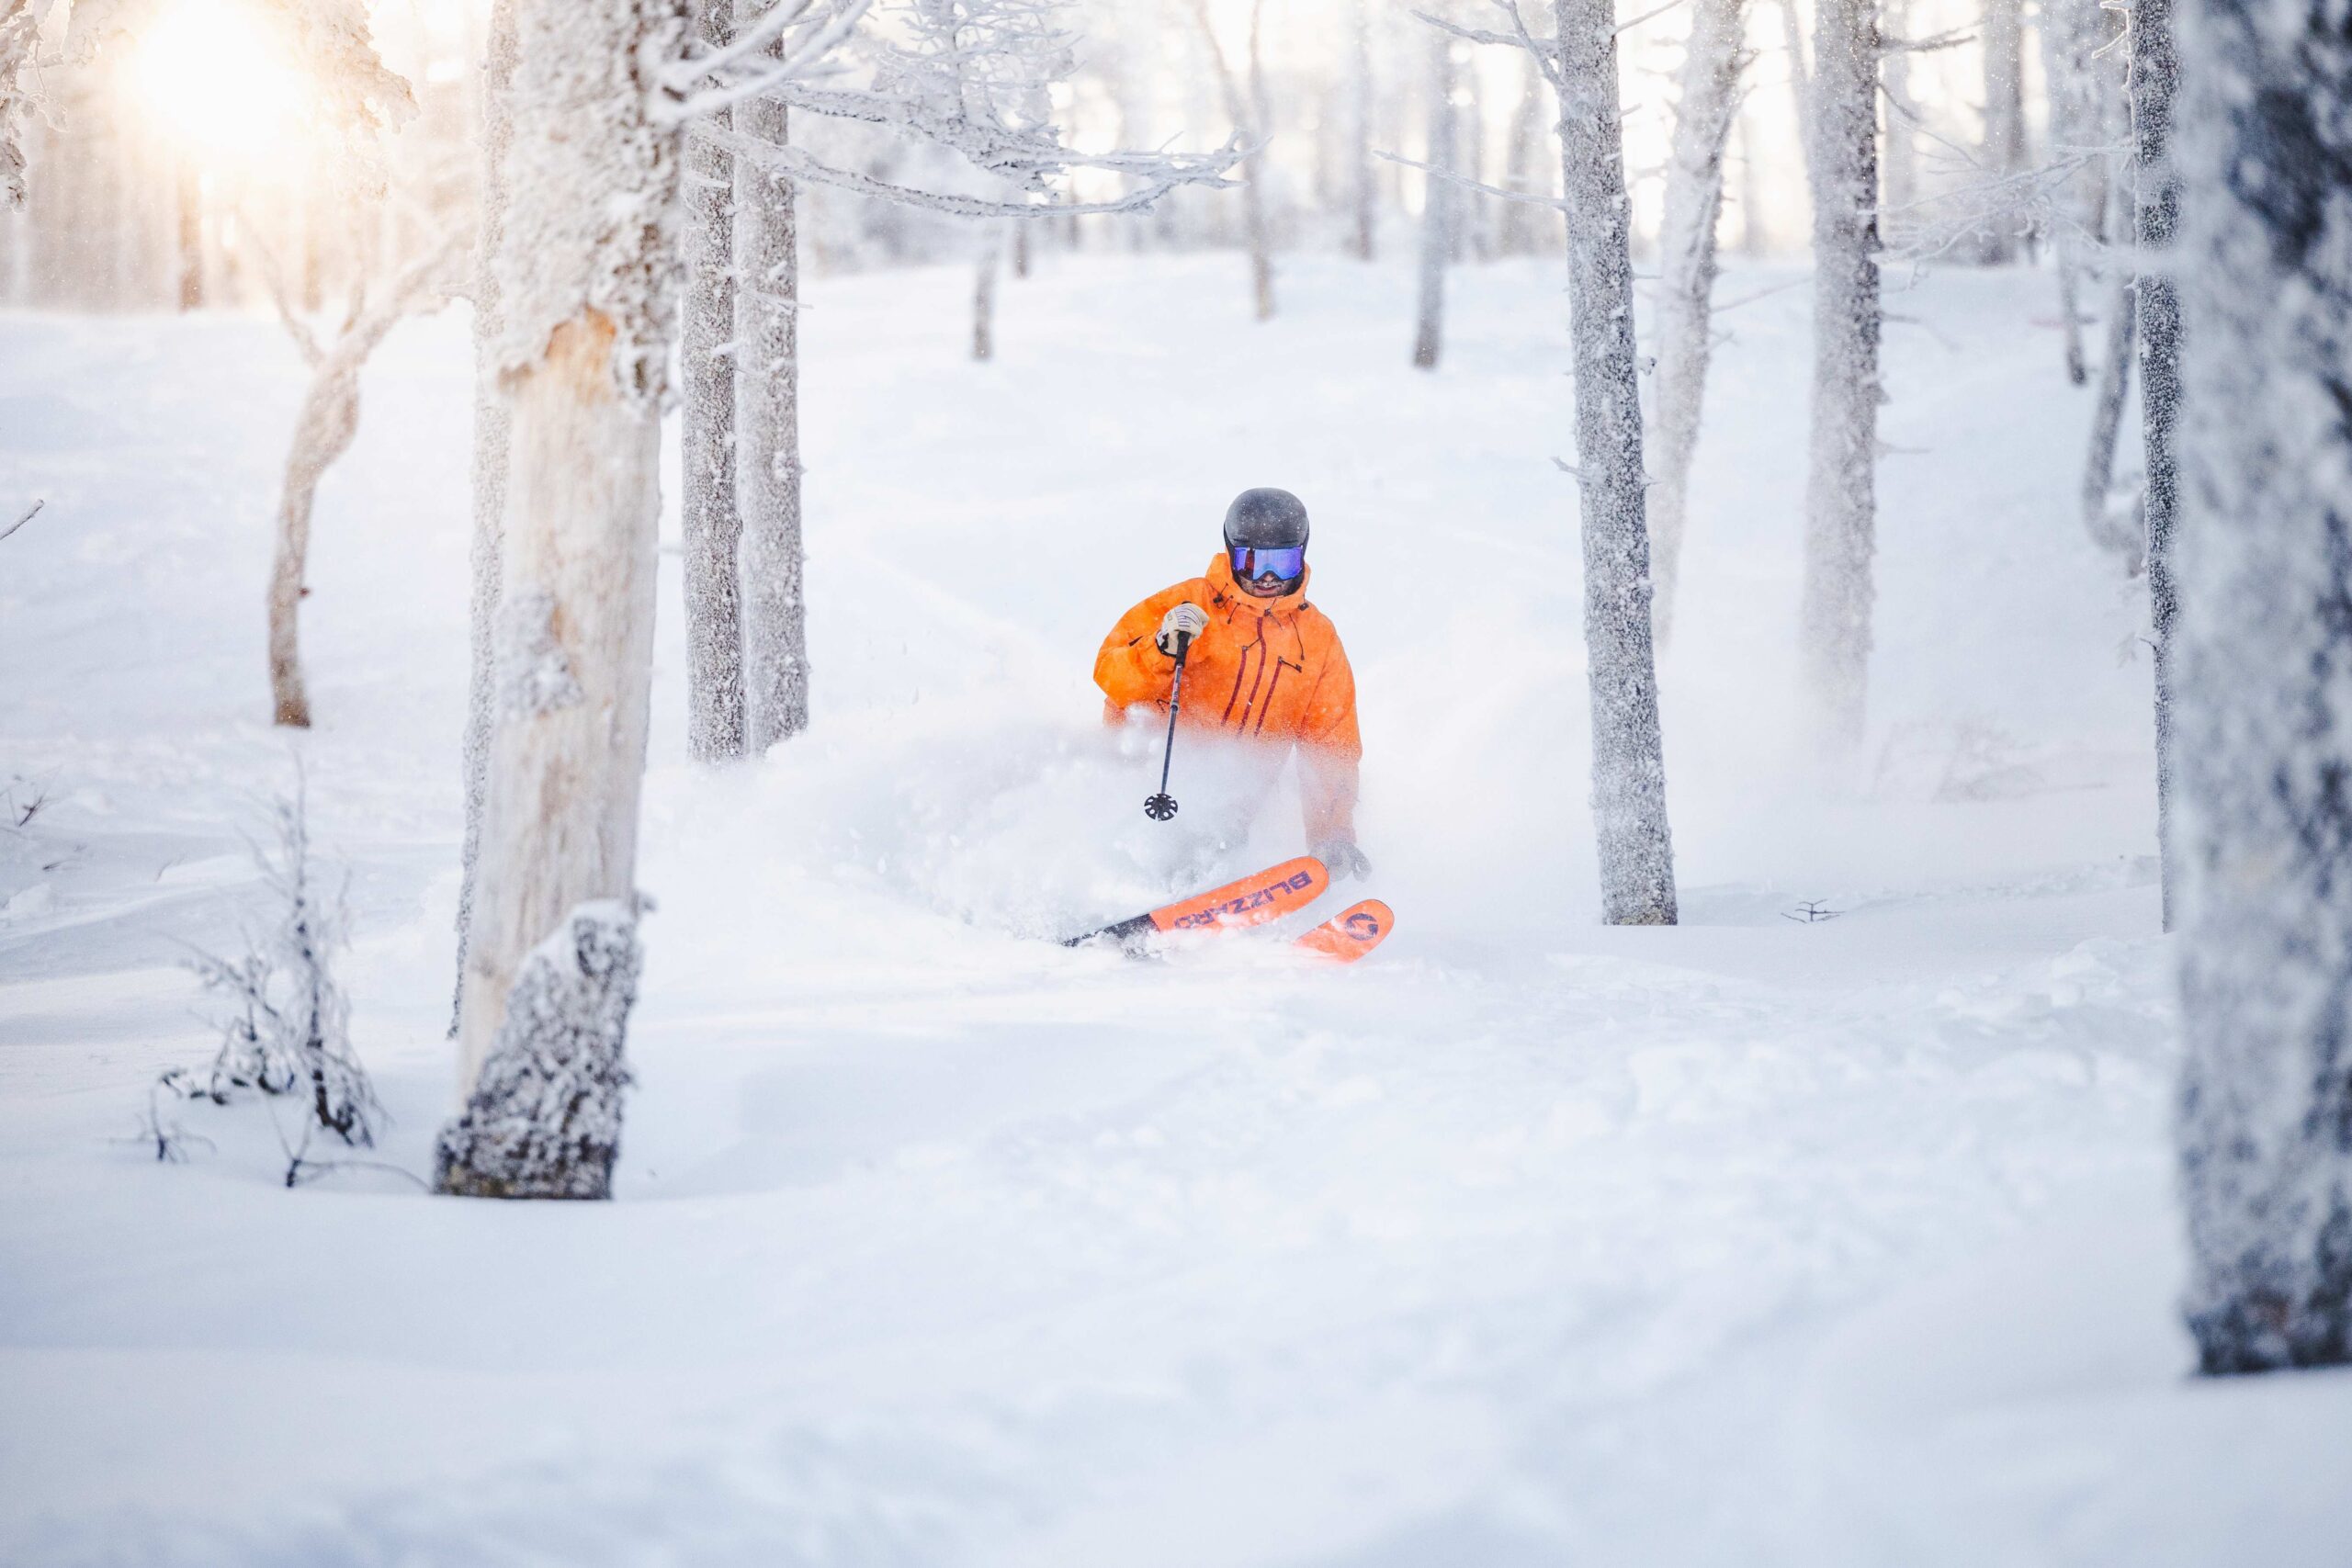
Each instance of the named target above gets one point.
<point>1261,668</point>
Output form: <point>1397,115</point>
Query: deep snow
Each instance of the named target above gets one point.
<point>1526,1241</point>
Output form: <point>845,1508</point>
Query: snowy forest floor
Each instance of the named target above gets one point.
<point>1527,1241</point>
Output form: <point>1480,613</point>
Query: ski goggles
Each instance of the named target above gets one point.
<point>1249,565</point>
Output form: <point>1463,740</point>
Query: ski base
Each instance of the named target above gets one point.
<point>1353,933</point>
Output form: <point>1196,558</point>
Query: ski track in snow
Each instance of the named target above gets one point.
<point>1526,1241</point>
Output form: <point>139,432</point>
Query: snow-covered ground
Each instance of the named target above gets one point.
<point>1752,1241</point>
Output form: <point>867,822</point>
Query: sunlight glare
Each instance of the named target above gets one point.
<point>214,75</point>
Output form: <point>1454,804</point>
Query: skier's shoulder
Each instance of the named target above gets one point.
<point>1321,625</point>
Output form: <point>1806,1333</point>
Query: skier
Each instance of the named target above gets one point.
<point>1265,665</point>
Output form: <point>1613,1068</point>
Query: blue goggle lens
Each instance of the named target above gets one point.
<point>1249,565</point>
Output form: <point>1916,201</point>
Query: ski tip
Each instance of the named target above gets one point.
<point>1353,933</point>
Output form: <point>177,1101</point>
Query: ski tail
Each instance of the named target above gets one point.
<point>1263,895</point>
<point>1353,933</point>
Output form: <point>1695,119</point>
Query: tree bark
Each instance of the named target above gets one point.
<point>1523,221</point>
<point>1244,103</point>
<point>1362,193</point>
<point>2073,35</point>
<point>1630,829</point>
<point>984,274</point>
<point>588,311</point>
<point>189,192</point>
<point>1711,64</point>
<point>2107,427</point>
<point>767,434</point>
<point>1841,484</point>
<point>2263,665</point>
<point>2003,147</point>
<point>492,433</point>
<point>2155,74</point>
<point>711,527</point>
<point>1439,202</point>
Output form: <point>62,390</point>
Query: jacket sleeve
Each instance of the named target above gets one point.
<point>1130,668</point>
<point>1330,751</point>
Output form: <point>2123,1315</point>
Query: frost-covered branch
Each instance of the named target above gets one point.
<point>968,76</point>
<point>324,431</point>
<point>20,23</point>
<point>797,163</point>
<point>1464,182</point>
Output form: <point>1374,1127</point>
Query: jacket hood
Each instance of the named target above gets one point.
<point>1220,576</point>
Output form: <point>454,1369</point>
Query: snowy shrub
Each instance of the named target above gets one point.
<point>285,1024</point>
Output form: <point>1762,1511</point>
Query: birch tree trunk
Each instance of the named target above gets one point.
<point>2004,149</point>
<point>1711,64</point>
<point>2154,74</point>
<point>767,434</point>
<point>1636,850</point>
<point>323,430</point>
<point>586,281</point>
<point>711,526</point>
<point>2265,670</point>
<point>491,432</point>
<point>1439,204</point>
<point>1841,484</point>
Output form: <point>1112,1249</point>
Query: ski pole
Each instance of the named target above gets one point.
<point>1162,806</point>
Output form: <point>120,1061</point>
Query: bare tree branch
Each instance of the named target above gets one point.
<point>28,517</point>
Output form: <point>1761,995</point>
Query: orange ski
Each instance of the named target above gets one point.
<point>1267,896</point>
<point>1353,933</point>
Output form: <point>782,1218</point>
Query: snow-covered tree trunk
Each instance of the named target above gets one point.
<point>767,433</point>
<point>1439,203</point>
<point>2155,73</point>
<point>1364,193</point>
<point>1841,481</point>
<point>1636,850</point>
<point>1899,165</point>
<point>1523,221</point>
<point>2073,32</point>
<point>190,201</point>
<point>1712,63</point>
<point>2125,536</point>
<point>984,274</point>
<point>490,435</point>
<point>2264,664</point>
<point>1245,101</point>
<point>585,280</point>
<point>2107,429</point>
<point>1254,194</point>
<point>2003,152</point>
<point>1800,81</point>
<point>710,524</point>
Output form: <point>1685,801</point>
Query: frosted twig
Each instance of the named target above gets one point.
<point>30,513</point>
<point>793,161</point>
<point>1527,199</point>
<point>1624,27</point>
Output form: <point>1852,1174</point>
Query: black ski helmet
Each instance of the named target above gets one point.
<point>1265,520</point>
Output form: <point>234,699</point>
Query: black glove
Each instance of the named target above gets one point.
<point>1342,860</point>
